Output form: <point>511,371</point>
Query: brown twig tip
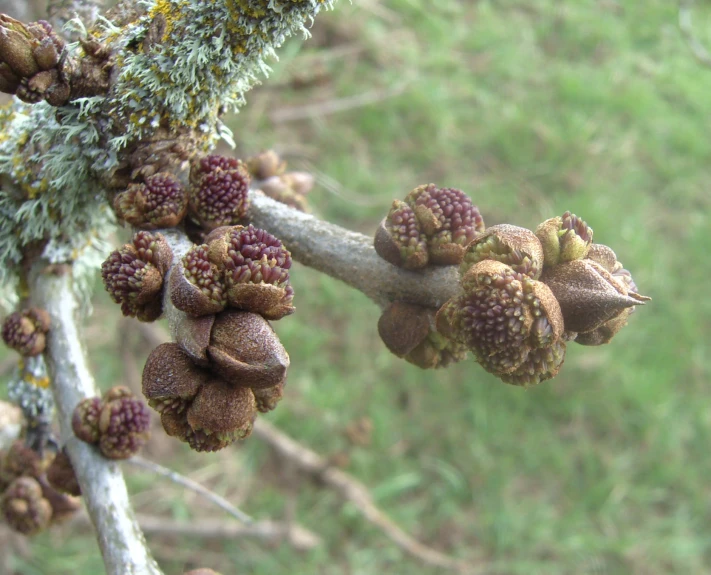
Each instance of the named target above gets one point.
<point>133,275</point>
<point>24,331</point>
<point>160,202</point>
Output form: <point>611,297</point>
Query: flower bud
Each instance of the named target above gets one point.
<point>133,275</point>
<point>516,247</point>
<point>448,219</point>
<point>564,239</point>
<point>124,425</point>
<point>170,379</point>
<point>501,317</point>
<point>399,239</point>
<point>196,284</point>
<point>265,165</point>
<point>219,194</point>
<point>16,47</point>
<point>267,398</point>
<point>85,419</point>
<point>61,476</point>
<point>25,331</point>
<point>24,507</point>
<point>160,202</point>
<point>256,270</point>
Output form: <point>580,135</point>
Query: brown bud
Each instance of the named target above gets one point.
<point>265,165</point>
<point>16,47</point>
<point>589,296</point>
<point>267,398</point>
<point>61,476</point>
<point>514,246</point>
<point>24,507</point>
<point>223,410</point>
<point>170,379</point>
<point>246,352</point>
<point>403,326</point>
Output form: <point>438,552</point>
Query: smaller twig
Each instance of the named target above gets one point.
<point>320,109</point>
<point>353,491</point>
<point>188,483</point>
<point>687,29</point>
<point>268,531</point>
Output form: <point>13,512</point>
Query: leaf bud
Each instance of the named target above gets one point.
<point>564,239</point>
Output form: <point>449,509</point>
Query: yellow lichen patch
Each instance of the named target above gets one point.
<point>171,11</point>
<point>41,382</point>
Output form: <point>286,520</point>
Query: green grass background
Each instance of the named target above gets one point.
<point>533,108</point>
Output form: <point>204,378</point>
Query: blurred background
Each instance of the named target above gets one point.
<point>532,108</point>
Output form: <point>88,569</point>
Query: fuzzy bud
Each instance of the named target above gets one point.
<point>133,275</point>
<point>265,165</point>
<point>25,331</point>
<point>160,202</point>
<point>196,284</point>
<point>449,220</point>
<point>219,195</point>
<point>170,379</point>
<point>399,239</point>
<point>85,419</point>
<point>61,476</point>
<point>256,267</point>
<point>501,317</point>
<point>564,239</point>
<point>246,352</point>
<point>24,507</point>
<point>267,398</point>
<point>124,425</point>
<point>516,247</point>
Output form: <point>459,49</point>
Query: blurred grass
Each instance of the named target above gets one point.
<point>532,108</point>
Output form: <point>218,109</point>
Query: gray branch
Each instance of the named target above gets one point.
<point>120,538</point>
<point>351,258</point>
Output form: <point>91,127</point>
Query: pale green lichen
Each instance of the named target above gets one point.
<point>199,62</point>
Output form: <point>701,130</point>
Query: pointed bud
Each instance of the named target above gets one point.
<point>517,247</point>
<point>564,239</point>
<point>589,296</point>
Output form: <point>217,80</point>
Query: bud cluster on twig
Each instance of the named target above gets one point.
<point>523,296</point>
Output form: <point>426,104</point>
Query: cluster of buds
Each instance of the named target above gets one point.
<point>409,331</point>
<point>219,188</point>
<point>210,385</point>
<point>241,267</point>
<point>29,499</point>
<point>133,275</point>
<point>33,62</point>
<point>159,202</point>
<point>432,226</point>
<point>525,295</point>
<point>24,331</point>
<point>290,188</point>
<point>118,423</point>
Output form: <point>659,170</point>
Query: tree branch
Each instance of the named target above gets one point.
<point>342,254</point>
<point>687,29</point>
<point>121,540</point>
<point>355,492</point>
